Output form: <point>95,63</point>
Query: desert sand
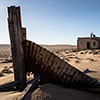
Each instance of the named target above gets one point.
<point>83,60</point>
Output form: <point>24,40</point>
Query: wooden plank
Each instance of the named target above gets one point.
<point>81,79</point>
<point>49,69</point>
<point>8,85</point>
<point>39,58</point>
<point>33,58</point>
<point>71,75</point>
<point>48,72</point>
<point>58,62</point>
<point>44,62</point>
<point>30,87</point>
<point>68,76</point>
<point>90,81</point>
<point>23,34</point>
<point>30,57</point>
<point>44,65</point>
<point>37,53</point>
<point>14,23</point>
<point>26,49</point>
<point>75,75</point>
<point>79,76</point>
<point>64,69</point>
<point>56,68</point>
<point>67,73</point>
<point>45,59</point>
<point>52,67</point>
<point>36,59</point>
<point>61,67</point>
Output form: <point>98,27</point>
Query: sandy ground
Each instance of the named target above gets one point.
<point>5,50</point>
<point>88,59</point>
<point>55,92</point>
<point>54,48</point>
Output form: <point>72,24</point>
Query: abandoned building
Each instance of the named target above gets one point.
<point>91,42</point>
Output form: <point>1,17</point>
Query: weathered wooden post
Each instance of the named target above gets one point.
<point>17,35</point>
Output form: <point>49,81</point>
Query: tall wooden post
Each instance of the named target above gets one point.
<point>16,38</point>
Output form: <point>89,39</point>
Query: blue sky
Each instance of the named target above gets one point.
<point>53,21</point>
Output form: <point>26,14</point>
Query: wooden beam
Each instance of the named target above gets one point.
<point>9,85</point>
<point>30,87</point>
<point>15,32</point>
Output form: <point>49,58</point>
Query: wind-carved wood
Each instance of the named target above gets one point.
<point>16,37</point>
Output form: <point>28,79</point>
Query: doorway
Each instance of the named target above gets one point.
<point>88,45</point>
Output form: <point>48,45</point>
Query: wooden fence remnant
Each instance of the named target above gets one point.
<point>53,69</point>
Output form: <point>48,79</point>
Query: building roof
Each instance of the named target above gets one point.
<point>95,38</point>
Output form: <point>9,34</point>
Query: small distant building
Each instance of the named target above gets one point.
<point>91,42</point>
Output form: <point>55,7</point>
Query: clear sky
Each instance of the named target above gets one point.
<point>53,21</point>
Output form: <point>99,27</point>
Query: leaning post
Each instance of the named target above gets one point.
<point>16,38</point>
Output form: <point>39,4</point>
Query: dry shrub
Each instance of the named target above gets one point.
<point>98,50</point>
<point>6,70</point>
<point>10,66</point>
<point>66,59</point>
<point>86,52</point>
<point>90,52</point>
<point>77,61</point>
<point>71,57</point>
<point>1,59</point>
<point>66,52</point>
<point>6,67</point>
<point>77,57</point>
<point>74,50</point>
<point>95,52</point>
<point>82,52</point>
<point>1,74</point>
<point>62,56</point>
<point>90,59</point>
<point>56,51</point>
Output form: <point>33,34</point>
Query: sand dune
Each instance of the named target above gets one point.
<point>53,48</point>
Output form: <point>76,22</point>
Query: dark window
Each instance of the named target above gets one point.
<point>94,43</point>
